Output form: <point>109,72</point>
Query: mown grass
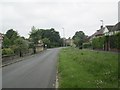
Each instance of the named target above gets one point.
<point>87,69</point>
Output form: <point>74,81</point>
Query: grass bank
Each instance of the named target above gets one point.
<point>87,69</point>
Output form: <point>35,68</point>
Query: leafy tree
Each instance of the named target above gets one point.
<point>34,38</point>
<point>49,36</point>
<point>21,46</point>
<point>79,38</point>
<point>12,35</point>
<point>9,38</point>
<point>6,42</point>
<point>46,41</point>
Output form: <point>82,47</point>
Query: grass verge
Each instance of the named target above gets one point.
<point>87,69</point>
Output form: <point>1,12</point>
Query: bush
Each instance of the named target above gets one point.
<point>7,51</point>
<point>87,45</point>
<point>113,42</point>
<point>98,43</point>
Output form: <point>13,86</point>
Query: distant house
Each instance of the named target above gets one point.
<point>98,33</point>
<point>39,46</point>
<point>107,30</point>
<point>69,42</point>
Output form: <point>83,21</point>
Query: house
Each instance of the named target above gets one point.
<point>69,42</point>
<point>39,46</point>
<point>108,30</point>
<point>98,33</point>
<point>116,28</point>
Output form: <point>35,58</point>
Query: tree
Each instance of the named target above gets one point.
<point>46,41</point>
<point>12,35</point>
<point>9,38</point>
<point>35,36</point>
<point>49,36</point>
<point>6,42</point>
<point>79,38</point>
<point>21,46</point>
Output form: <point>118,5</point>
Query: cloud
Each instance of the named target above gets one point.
<point>73,15</point>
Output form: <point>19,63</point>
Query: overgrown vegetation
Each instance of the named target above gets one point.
<point>48,36</point>
<point>111,42</point>
<point>87,69</point>
<point>13,44</point>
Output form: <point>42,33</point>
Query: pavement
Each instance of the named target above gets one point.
<point>38,71</point>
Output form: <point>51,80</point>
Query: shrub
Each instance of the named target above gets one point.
<point>113,41</point>
<point>98,43</point>
<point>87,45</point>
<point>7,51</point>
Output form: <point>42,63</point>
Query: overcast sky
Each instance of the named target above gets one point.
<point>72,15</point>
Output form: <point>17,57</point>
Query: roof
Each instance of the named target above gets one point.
<point>116,27</point>
<point>109,27</point>
<point>98,33</point>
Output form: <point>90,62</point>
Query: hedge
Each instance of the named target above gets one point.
<point>113,41</point>
<point>98,43</point>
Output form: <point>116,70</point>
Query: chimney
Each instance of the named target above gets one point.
<point>101,27</point>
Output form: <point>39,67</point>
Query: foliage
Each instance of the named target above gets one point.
<point>6,42</point>
<point>46,41</point>
<point>87,45</point>
<point>87,69</point>
<point>113,41</point>
<point>13,42</point>
<point>35,35</point>
<point>21,45</point>
<point>98,43</point>
<point>79,38</point>
<point>7,51</point>
<point>50,36</point>
<point>9,38</point>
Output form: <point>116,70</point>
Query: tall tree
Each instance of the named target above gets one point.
<point>49,36</point>
<point>79,38</point>
<point>9,38</point>
<point>21,46</point>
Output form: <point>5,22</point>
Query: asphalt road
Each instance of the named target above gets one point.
<point>38,71</point>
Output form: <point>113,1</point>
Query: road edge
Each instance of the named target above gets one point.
<point>21,59</point>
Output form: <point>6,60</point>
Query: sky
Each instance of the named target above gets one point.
<point>66,16</point>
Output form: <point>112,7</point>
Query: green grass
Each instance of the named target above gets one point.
<point>87,69</point>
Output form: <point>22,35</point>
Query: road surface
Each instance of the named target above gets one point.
<point>38,71</point>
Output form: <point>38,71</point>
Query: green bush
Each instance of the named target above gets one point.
<point>98,43</point>
<point>87,45</point>
<point>113,41</point>
<point>7,51</point>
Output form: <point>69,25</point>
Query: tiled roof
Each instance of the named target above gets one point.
<point>116,27</point>
<point>109,27</point>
